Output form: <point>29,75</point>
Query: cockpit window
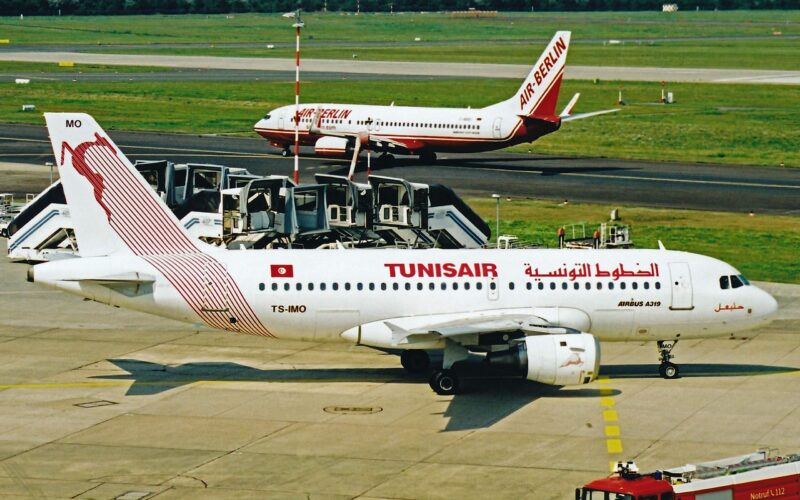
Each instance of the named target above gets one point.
<point>736,282</point>
<point>724,282</point>
<point>744,280</point>
<point>266,117</point>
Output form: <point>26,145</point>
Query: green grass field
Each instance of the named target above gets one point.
<point>471,40</point>
<point>737,124</point>
<point>763,247</point>
<point>269,28</point>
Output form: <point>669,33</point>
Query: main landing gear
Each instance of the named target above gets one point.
<point>444,380</point>
<point>667,369</point>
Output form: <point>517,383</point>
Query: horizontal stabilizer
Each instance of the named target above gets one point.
<point>581,116</point>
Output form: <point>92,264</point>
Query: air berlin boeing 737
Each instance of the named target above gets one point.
<point>339,129</point>
<point>537,312</point>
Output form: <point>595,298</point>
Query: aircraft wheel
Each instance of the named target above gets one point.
<point>285,153</point>
<point>669,370</point>
<point>444,382</point>
<point>415,360</point>
<point>428,156</point>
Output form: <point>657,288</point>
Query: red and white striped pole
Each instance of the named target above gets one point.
<point>298,23</point>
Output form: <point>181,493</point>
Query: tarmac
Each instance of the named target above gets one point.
<point>98,402</point>
<point>396,68</point>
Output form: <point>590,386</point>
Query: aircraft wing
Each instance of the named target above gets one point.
<point>415,329</point>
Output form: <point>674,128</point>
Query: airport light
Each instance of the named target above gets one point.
<point>298,23</point>
<point>497,220</point>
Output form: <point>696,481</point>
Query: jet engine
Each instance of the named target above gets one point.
<point>331,146</point>
<point>562,359</point>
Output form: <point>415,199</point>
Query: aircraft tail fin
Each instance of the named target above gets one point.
<point>113,208</point>
<point>538,95</point>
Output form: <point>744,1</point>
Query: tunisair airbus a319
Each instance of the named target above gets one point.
<point>540,313</point>
<point>344,129</point>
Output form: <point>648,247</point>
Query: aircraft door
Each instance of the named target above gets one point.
<point>493,288</point>
<point>681,284</point>
<point>497,128</point>
<point>280,122</point>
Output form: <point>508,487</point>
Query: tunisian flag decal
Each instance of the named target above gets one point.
<point>281,270</point>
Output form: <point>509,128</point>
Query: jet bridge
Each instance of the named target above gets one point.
<point>425,216</point>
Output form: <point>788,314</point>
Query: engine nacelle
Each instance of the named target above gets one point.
<point>563,359</point>
<point>331,146</point>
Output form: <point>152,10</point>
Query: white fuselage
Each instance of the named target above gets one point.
<point>411,129</point>
<point>617,295</point>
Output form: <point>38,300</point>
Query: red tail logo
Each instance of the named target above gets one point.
<point>80,166</point>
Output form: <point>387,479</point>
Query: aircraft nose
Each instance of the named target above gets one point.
<point>767,305</point>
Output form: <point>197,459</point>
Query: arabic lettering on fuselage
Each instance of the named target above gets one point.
<point>585,270</point>
<point>727,307</point>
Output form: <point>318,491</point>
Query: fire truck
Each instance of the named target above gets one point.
<point>761,475</point>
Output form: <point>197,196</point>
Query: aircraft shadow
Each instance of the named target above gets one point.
<point>484,402</point>
<point>689,370</point>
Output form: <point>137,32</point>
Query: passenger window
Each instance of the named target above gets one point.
<point>529,285</point>
<point>552,286</point>
<point>419,286</point>
<point>634,285</point>
<point>658,285</point>
<point>372,286</point>
<point>736,282</point>
<point>347,286</point>
<point>455,286</point>
<point>599,286</point>
<point>576,286</point>
<point>588,286</point>
<point>261,286</point>
<point>311,286</point>
<point>724,282</point>
<point>510,285</point>
<point>564,285</point>
<point>479,285</point>
<point>408,286</point>
<point>359,286</point>
<point>611,285</point>
<point>274,287</point>
<point>432,286</point>
<point>299,286</point>
<point>286,286</point>
<point>622,286</point>
<point>322,286</point>
<point>444,286</point>
<point>541,286</point>
<point>383,286</point>
<point>395,286</point>
<point>335,286</point>
<point>466,285</point>
<point>492,286</point>
<point>647,285</point>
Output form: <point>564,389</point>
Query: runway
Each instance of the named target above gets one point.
<point>595,180</point>
<point>97,402</point>
<point>394,68</point>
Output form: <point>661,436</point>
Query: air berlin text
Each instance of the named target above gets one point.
<point>542,70</point>
<point>326,113</point>
<point>443,270</point>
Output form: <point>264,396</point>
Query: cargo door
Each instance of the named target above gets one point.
<point>497,128</point>
<point>681,284</point>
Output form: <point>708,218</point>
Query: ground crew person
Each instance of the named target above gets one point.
<point>596,237</point>
<point>561,237</point>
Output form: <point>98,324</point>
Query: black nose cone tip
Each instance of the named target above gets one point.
<point>30,274</point>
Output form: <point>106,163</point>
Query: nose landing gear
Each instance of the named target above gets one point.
<point>667,369</point>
